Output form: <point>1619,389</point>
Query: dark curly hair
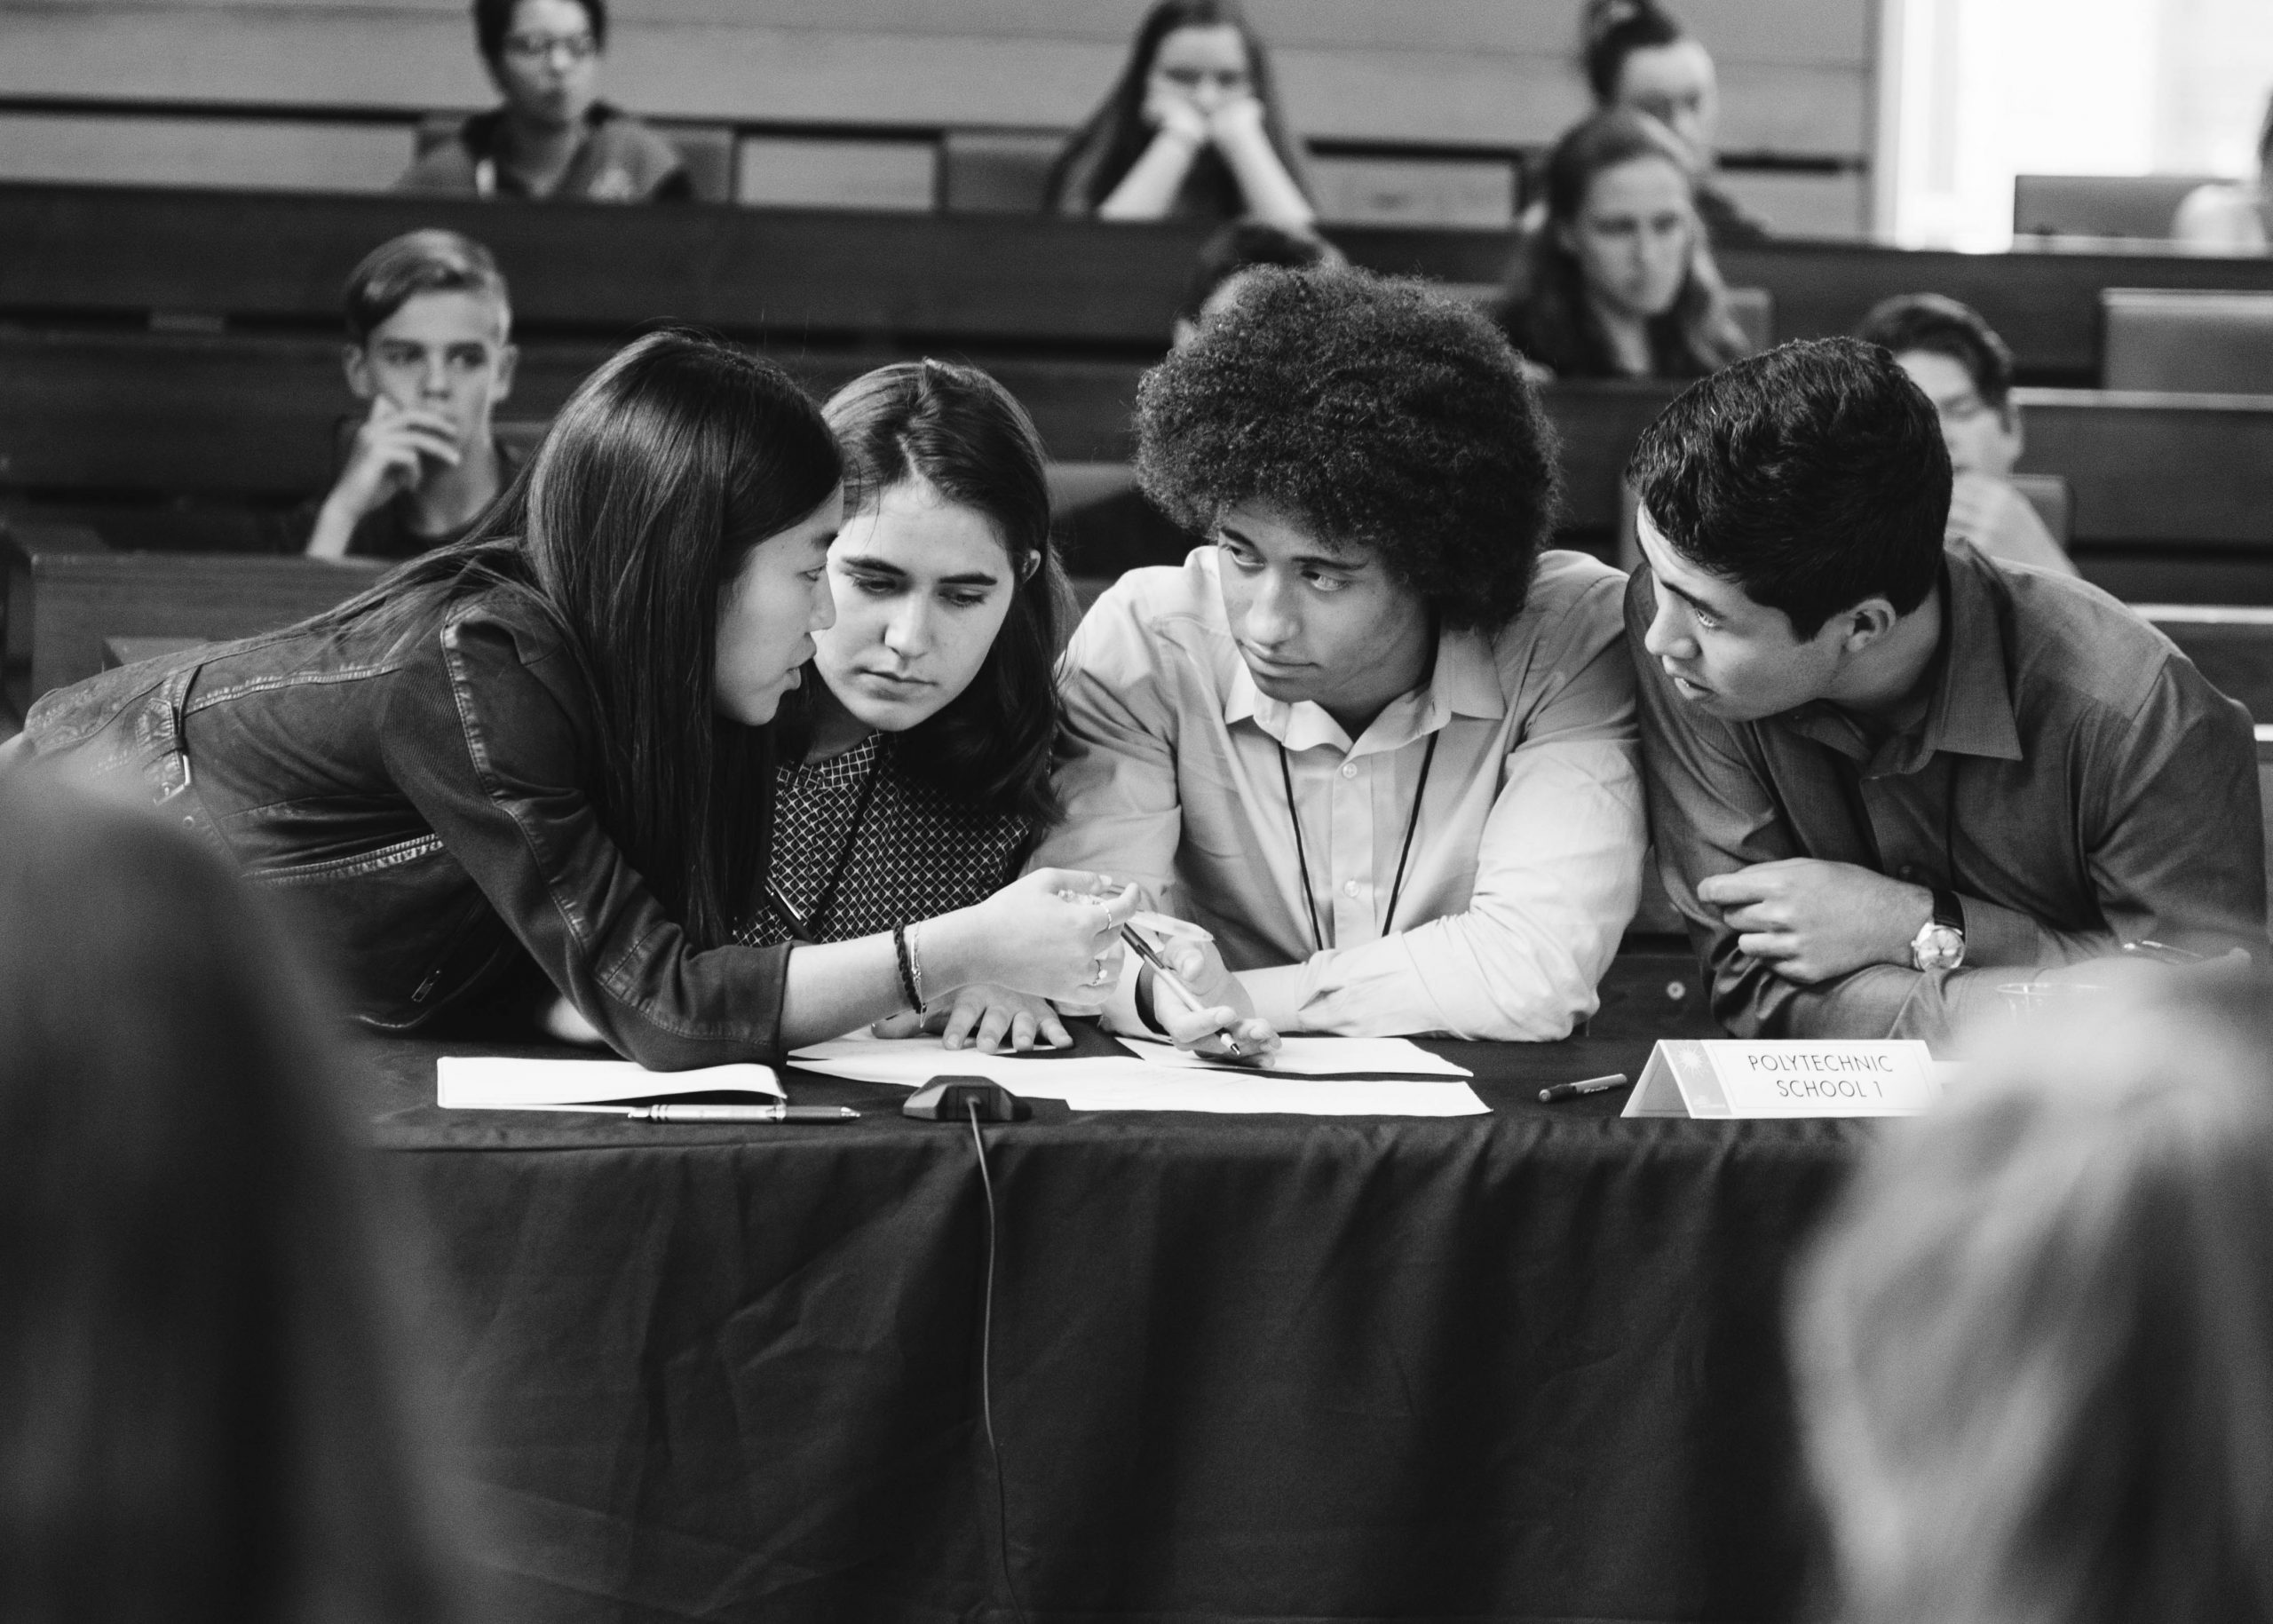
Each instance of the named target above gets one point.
<point>1385,414</point>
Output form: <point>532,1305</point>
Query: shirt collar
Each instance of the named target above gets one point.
<point>1969,708</point>
<point>1465,682</point>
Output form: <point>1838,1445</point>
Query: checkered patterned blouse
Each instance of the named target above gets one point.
<point>916,852</point>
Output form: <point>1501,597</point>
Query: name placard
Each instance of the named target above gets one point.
<point>1726,1077</point>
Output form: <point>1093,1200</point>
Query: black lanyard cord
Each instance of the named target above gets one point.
<point>807,924</point>
<point>1404,851</point>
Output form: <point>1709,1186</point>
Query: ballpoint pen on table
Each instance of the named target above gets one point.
<point>684,1112</point>
<point>1150,956</point>
<point>1585,1085</point>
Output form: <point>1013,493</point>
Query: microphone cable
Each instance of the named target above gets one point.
<point>986,1377</point>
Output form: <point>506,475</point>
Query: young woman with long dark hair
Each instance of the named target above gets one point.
<point>1617,281</point>
<point>1192,128</point>
<point>927,741</point>
<point>552,741</point>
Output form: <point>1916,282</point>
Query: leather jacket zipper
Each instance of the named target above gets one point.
<point>427,986</point>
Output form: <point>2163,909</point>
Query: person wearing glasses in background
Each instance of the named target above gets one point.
<point>553,137</point>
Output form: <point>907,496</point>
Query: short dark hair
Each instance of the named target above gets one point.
<point>1611,30</point>
<point>1242,246</point>
<point>432,261</point>
<point>1813,476</point>
<point>493,20</point>
<point>963,433</point>
<point>1386,413</point>
<point>1941,326</point>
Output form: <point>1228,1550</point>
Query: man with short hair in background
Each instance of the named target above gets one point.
<point>430,350</point>
<point>1889,777</point>
<point>1966,372</point>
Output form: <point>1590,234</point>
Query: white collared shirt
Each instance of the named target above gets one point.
<point>1526,864</point>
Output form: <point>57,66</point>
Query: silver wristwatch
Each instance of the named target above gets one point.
<point>1940,941</point>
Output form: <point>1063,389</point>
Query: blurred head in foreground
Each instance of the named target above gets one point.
<point>2035,1350</point>
<point>195,1419</point>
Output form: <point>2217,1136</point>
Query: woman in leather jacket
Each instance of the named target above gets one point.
<point>552,741</point>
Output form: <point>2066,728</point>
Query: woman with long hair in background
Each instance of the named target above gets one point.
<point>1617,281</point>
<point>1191,128</point>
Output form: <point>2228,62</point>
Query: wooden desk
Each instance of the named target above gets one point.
<point>831,278</point>
<point>67,595</point>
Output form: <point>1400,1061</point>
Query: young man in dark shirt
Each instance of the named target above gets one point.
<point>430,350</point>
<point>1888,778</point>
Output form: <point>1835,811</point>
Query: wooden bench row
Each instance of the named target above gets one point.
<point>831,277</point>
<point>159,440</point>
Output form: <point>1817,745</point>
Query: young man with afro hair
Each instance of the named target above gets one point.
<point>1372,739</point>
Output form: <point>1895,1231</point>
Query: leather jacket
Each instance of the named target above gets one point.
<point>420,803</point>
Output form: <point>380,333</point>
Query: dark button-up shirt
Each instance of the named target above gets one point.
<point>2067,772</point>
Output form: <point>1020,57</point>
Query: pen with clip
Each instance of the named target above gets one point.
<point>742,1114</point>
<point>1585,1085</point>
<point>1144,950</point>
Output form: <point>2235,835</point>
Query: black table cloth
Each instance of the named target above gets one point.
<point>1523,1365</point>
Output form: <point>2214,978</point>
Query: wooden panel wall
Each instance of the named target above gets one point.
<point>1796,73</point>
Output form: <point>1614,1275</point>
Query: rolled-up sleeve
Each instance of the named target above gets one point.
<point>490,754</point>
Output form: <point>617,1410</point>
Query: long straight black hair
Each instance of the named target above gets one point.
<point>955,428</point>
<point>665,468</point>
<point>1106,148</point>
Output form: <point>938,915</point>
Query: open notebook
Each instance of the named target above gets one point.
<point>499,1083</point>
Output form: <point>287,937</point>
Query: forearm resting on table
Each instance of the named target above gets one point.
<point>834,987</point>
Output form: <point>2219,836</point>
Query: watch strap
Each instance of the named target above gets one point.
<point>1948,910</point>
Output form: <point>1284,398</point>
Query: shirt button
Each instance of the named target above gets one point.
<point>1349,888</point>
<point>1349,769</point>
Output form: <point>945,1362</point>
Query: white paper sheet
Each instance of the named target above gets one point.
<point>1120,1083</point>
<point>1317,1058</point>
<point>912,1062</point>
<point>1257,1093</point>
<point>499,1083</point>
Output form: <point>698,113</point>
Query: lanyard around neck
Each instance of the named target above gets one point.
<point>809,924</point>
<point>1301,856</point>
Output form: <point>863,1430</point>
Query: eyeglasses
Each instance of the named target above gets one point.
<point>541,47</point>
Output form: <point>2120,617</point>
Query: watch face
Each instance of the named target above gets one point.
<point>1939,947</point>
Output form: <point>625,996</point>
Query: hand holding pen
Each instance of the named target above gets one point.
<point>1195,1000</point>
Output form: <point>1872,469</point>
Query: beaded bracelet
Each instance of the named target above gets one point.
<point>907,983</point>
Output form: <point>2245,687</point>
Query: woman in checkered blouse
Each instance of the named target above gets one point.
<point>928,738</point>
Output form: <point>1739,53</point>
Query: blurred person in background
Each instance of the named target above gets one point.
<point>1966,372</point>
<point>2034,1348</point>
<point>1191,130</point>
<point>430,348</point>
<point>1616,279</point>
<point>202,1419</point>
<point>2232,214</point>
<point>1636,54</point>
<point>1124,531</point>
<point>552,137</point>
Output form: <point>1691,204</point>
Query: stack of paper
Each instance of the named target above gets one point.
<point>1165,1079</point>
<point>498,1082</point>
